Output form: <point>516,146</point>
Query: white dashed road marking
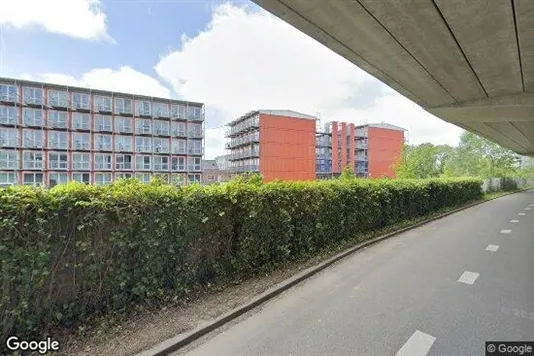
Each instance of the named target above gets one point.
<point>468,277</point>
<point>527,208</point>
<point>514,221</point>
<point>506,231</point>
<point>492,248</point>
<point>417,345</point>
<point>522,214</point>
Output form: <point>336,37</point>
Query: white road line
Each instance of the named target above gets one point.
<point>492,248</point>
<point>506,231</point>
<point>514,221</point>
<point>527,208</point>
<point>468,277</point>
<point>522,214</point>
<point>530,204</point>
<point>417,345</point>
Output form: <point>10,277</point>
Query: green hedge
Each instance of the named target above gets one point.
<point>74,250</point>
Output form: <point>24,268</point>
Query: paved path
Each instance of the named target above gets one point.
<point>441,289</point>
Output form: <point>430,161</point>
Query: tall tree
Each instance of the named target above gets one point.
<point>423,161</point>
<point>477,156</point>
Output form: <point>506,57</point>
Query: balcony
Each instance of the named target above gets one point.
<point>8,98</point>
<point>245,168</point>
<point>195,151</point>
<point>244,154</point>
<point>244,126</point>
<point>244,140</point>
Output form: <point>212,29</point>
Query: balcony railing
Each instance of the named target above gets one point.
<point>244,154</point>
<point>248,124</point>
<point>238,141</point>
<point>245,168</point>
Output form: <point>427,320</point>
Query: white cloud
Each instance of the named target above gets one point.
<point>82,19</point>
<point>246,60</point>
<point>125,80</point>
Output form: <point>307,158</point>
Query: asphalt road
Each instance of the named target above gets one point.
<point>403,296</point>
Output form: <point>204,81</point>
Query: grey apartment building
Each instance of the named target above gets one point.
<point>52,134</point>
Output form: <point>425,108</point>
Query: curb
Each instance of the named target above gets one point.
<point>175,343</point>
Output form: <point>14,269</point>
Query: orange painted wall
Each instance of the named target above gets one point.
<point>335,154</point>
<point>287,148</point>
<point>344,157</point>
<point>385,148</point>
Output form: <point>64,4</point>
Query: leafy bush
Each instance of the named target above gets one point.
<point>76,250</point>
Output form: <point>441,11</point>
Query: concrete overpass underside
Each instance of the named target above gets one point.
<point>469,62</point>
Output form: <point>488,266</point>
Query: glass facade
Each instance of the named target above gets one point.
<point>51,135</point>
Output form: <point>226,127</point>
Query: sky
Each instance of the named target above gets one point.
<point>232,56</point>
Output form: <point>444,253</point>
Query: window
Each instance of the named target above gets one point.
<point>9,160</point>
<point>58,139</point>
<point>8,93</point>
<point>9,137</point>
<point>123,162</point>
<point>194,163</point>
<point>161,128</point>
<point>161,163</point>
<point>103,161</point>
<point>143,126</point>
<point>143,177</point>
<point>103,178</point>
<point>33,117</point>
<point>161,110</point>
<point>8,178</point>
<point>178,128</point>
<point>178,179</point>
<point>123,106</point>
<point>143,162</point>
<point>194,113</point>
<point>58,160</point>
<point>193,178</point>
<point>33,138</point>
<point>162,176</point>
<point>58,98</point>
<point>33,160</point>
<point>102,103</point>
<point>123,175</point>
<point>81,101</point>
<point>81,177</point>
<point>81,141</point>
<point>194,130</point>
<point>161,145</point>
<point>103,142</point>
<point>194,147</point>
<point>81,121</point>
<point>178,111</point>
<point>103,123</point>
<point>178,164</point>
<point>33,96</point>
<point>179,146</point>
<point>143,144</point>
<point>81,161</point>
<point>55,178</point>
<point>124,143</point>
<point>58,119</point>
<point>143,107</point>
<point>9,115</point>
<point>33,178</point>
<point>123,124</point>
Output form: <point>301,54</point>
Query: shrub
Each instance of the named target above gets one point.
<point>76,250</point>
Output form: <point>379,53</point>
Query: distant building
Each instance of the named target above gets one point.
<point>279,144</point>
<point>52,134</point>
<point>212,172</point>
<point>288,145</point>
<point>372,150</point>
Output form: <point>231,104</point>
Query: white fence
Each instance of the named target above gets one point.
<point>500,184</point>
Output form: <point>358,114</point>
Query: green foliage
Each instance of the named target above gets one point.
<point>74,251</point>
<point>479,157</point>
<point>348,173</point>
<point>423,161</point>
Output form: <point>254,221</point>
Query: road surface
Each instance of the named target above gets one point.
<point>442,289</point>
